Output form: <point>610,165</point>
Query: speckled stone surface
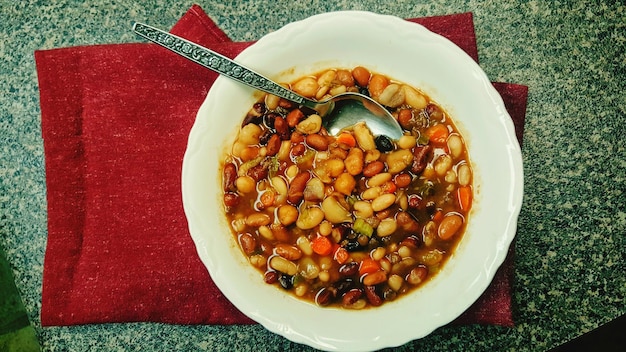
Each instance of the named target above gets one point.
<point>570,271</point>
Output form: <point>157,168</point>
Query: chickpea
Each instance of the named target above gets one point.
<point>354,161</point>
<point>245,184</point>
<point>249,134</point>
<point>271,101</point>
<point>287,214</point>
<point>345,184</point>
<point>363,209</point>
<point>407,142</point>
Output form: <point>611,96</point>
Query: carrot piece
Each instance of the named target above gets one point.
<point>368,266</point>
<point>464,194</point>
<point>341,255</point>
<point>438,134</point>
<point>347,139</point>
<point>438,216</point>
<point>388,187</point>
<point>322,245</point>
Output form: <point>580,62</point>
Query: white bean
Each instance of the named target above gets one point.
<point>378,180</point>
<point>383,202</point>
<point>442,164</point>
<point>386,227</point>
<point>455,145</point>
<point>464,174</point>
<point>283,265</point>
<point>364,137</point>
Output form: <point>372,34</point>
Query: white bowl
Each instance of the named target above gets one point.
<point>404,51</point>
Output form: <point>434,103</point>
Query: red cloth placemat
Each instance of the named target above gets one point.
<point>115,121</point>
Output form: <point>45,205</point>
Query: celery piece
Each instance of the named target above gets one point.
<point>361,227</point>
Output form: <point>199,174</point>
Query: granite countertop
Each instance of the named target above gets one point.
<point>569,263</point>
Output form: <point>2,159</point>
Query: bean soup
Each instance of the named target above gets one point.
<point>353,220</point>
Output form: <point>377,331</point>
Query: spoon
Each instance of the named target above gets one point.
<point>338,113</point>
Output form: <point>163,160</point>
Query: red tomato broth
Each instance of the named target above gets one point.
<point>306,215</point>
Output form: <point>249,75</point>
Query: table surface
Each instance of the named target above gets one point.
<point>569,263</point>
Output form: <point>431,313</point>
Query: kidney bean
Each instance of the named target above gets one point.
<point>375,278</point>
<point>420,159</point>
<point>230,175</point>
<point>270,277</point>
<point>269,119</point>
<point>417,275</point>
<point>350,297</point>
<point>273,145</point>
<point>280,233</point>
<point>296,188</point>
<point>296,137</point>
<point>372,296</point>
<point>373,168</point>
<point>281,127</point>
<point>434,111</point>
<point>288,251</point>
<point>324,297</point>
<point>449,226</point>
<point>377,84</point>
<point>361,75</point>
<point>413,241</point>
<point>258,172</point>
<point>231,199</point>
<point>247,243</point>
<point>402,180</point>
<point>258,219</point>
<point>404,118</point>
<point>349,269</point>
<point>294,117</point>
<point>317,142</point>
<point>298,149</point>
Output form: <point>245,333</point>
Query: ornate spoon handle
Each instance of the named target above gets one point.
<point>217,62</point>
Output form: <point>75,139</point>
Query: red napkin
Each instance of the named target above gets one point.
<point>115,120</point>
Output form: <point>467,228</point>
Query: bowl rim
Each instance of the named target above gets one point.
<point>290,328</point>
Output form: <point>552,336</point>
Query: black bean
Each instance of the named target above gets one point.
<point>389,294</point>
<point>269,118</point>
<point>342,286</point>
<point>351,245</point>
<point>286,281</point>
<point>383,143</point>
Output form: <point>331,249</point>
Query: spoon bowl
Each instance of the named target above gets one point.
<point>338,113</point>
